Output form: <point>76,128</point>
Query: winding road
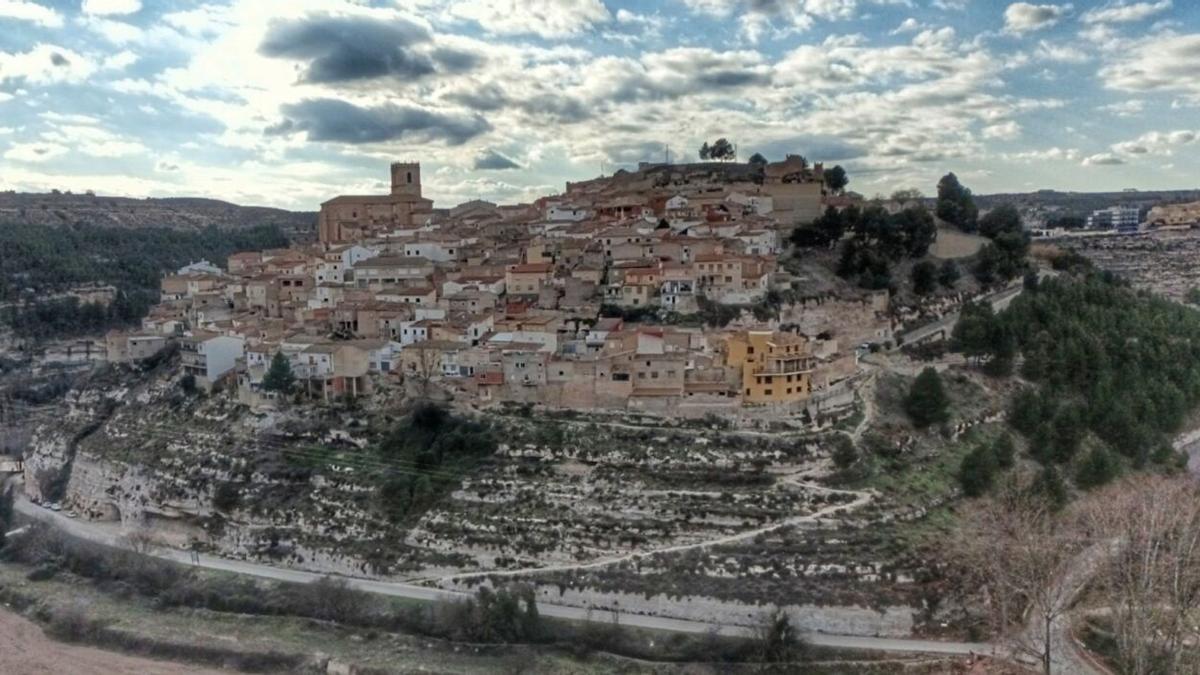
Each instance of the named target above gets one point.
<point>109,534</point>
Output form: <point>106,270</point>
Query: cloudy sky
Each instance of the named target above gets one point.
<point>287,102</point>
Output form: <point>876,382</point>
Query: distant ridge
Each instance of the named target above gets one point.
<point>177,213</point>
<point>1088,201</point>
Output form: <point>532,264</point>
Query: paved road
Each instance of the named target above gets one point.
<point>109,535</point>
<point>999,300</point>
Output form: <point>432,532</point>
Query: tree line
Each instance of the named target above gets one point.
<point>1116,371</point>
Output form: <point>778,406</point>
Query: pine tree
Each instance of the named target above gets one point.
<point>927,402</point>
<point>978,471</point>
<point>279,377</point>
<point>1098,468</point>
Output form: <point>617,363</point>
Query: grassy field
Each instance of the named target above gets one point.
<point>251,636</point>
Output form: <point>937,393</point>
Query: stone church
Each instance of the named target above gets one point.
<point>354,217</point>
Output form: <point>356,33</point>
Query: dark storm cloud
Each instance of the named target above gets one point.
<point>698,71</point>
<point>493,161</point>
<point>345,49</point>
<point>59,60</point>
<point>333,120</point>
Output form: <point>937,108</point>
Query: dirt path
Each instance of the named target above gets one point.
<point>860,498</point>
<point>25,649</point>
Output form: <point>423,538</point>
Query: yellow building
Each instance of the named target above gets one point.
<point>777,367</point>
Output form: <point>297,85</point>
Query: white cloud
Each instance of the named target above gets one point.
<point>909,25</point>
<point>1157,63</point>
<point>105,7</point>
<point>1053,154</point>
<point>1129,108</point>
<point>1022,17</point>
<point>35,152</point>
<point>44,64</point>
<point>24,10</point>
<point>1122,12</point>
<point>547,18</point>
<point>831,10</point>
<point>1061,53</point>
<point>1004,131</point>
<point>119,61</point>
<point>1102,159</point>
<point>1158,142</point>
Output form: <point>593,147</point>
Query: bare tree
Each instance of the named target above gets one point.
<point>778,642</point>
<point>141,541</point>
<point>1018,552</point>
<point>1151,579</point>
<point>424,367</point>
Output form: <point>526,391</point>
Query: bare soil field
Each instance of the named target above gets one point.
<point>25,649</point>
<point>952,244</point>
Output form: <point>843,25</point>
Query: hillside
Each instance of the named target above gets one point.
<point>1086,202</point>
<point>176,213</point>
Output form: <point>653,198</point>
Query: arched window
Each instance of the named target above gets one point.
<point>410,178</point>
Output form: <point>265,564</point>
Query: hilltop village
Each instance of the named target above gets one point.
<point>635,291</point>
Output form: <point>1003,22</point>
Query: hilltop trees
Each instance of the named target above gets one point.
<point>757,159</point>
<point>1004,257</point>
<point>1003,218</point>
<point>720,150</point>
<point>955,204</point>
<point>836,179</point>
<point>826,230</point>
<point>880,239</point>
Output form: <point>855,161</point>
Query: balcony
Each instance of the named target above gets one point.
<point>792,366</point>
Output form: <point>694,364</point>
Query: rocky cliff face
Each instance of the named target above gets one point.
<point>204,472</point>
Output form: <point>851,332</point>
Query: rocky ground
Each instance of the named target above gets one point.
<point>1162,262</point>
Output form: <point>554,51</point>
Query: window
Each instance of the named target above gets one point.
<point>654,375</point>
<point>620,377</point>
<point>750,349</point>
<point>410,178</point>
<point>767,392</point>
